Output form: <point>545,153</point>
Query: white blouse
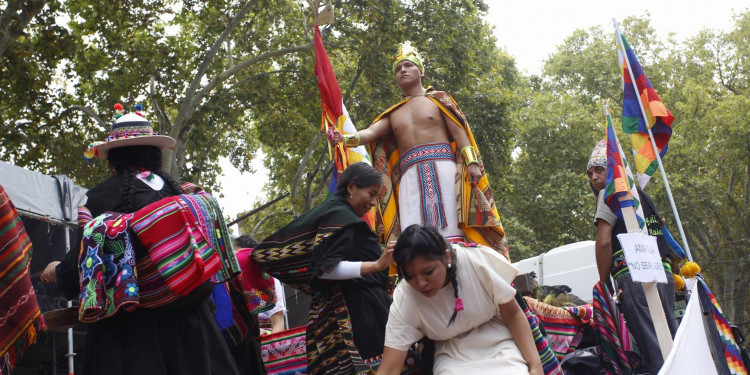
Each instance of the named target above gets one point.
<point>478,340</point>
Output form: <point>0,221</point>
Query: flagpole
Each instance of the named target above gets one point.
<point>653,143</point>
<point>655,308</point>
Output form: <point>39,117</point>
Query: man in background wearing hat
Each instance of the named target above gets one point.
<point>433,174</point>
<point>610,260</point>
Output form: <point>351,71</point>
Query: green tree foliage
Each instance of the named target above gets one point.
<point>460,57</point>
<point>703,81</point>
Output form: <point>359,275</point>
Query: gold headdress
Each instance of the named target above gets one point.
<point>407,52</point>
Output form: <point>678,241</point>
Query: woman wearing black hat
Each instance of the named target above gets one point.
<point>180,337</point>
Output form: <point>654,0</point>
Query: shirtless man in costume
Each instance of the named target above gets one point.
<point>426,152</point>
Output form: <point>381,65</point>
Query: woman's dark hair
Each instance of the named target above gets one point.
<point>246,242</point>
<point>362,174</point>
<point>425,241</point>
<point>128,161</point>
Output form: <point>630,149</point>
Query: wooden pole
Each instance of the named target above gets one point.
<point>659,319</point>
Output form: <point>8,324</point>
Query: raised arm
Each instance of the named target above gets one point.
<point>379,129</point>
<point>393,361</point>
<point>516,321</point>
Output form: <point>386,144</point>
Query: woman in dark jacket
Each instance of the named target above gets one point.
<point>180,337</point>
<point>332,254</point>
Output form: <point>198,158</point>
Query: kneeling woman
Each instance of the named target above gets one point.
<point>461,297</point>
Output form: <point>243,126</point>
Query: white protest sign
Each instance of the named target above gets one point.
<point>642,256</point>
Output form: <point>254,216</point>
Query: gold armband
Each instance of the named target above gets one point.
<point>351,140</point>
<point>469,155</point>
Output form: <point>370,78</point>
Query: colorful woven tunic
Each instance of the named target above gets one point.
<point>475,208</point>
<point>20,318</point>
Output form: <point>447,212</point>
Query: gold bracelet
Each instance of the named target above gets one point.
<point>470,155</point>
<point>351,140</point>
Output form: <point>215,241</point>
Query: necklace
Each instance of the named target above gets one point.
<point>414,96</point>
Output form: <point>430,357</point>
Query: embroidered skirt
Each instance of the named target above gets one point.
<point>427,193</point>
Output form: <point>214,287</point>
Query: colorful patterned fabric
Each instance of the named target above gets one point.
<point>425,152</point>
<point>20,318</point>
<point>187,241</point>
<point>618,353</point>
<point>107,268</point>
<point>563,326</point>
<point>287,254</point>
<point>330,340</point>
<point>598,155</point>
<point>423,158</point>
<point>283,352</point>
<point>84,216</point>
<point>550,364</point>
<point>732,353</point>
<point>477,214</point>
<point>186,233</point>
<point>620,180</point>
<point>257,286</point>
<point>633,123</point>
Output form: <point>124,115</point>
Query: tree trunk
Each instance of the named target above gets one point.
<point>12,23</point>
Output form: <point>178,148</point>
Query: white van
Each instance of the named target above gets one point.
<point>573,265</point>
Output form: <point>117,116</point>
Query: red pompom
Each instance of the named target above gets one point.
<point>118,107</point>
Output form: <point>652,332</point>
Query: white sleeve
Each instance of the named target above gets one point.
<point>280,298</point>
<point>343,271</point>
<point>402,328</point>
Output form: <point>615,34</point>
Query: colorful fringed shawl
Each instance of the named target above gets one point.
<point>288,254</point>
<point>20,318</point>
<point>732,354</point>
<point>562,325</point>
<point>619,354</point>
<point>477,214</point>
<point>283,353</point>
<point>187,241</point>
<point>550,364</point>
<point>184,235</point>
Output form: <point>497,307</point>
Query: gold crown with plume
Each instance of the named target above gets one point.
<point>407,52</point>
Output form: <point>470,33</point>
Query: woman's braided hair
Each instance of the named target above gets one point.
<point>128,161</point>
<point>425,241</point>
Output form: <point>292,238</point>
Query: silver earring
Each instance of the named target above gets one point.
<point>351,196</point>
<point>449,265</point>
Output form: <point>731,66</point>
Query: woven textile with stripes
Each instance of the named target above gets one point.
<point>550,364</point>
<point>619,354</point>
<point>731,350</point>
<point>283,352</point>
<point>20,318</point>
<point>187,240</point>
<point>288,254</point>
<point>563,326</point>
<point>186,237</point>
